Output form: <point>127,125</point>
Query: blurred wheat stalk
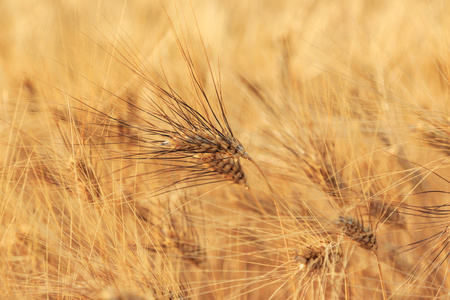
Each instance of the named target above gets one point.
<point>126,142</point>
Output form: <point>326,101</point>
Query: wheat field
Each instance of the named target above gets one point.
<point>224,149</point>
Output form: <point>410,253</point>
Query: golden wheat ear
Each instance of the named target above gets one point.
<point>185,141</point>
<point>320,256</point>
<point>354,230</point>
<point>364,237</point>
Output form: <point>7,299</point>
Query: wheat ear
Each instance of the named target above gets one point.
<point>322,255</point>
<point>355,231</point>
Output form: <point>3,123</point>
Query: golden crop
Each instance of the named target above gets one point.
<point>224,149</point>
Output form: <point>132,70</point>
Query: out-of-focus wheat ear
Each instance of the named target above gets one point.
<point>354,230</point>
<point>181,235</point>
<point>185,244</point>
<point>320,166</point>
<point>322,256</point>
<point>85,177</point>
<point>436,133</point>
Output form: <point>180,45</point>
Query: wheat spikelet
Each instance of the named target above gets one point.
<point>181,236</point>
<point>321,166</point>
<point>172,230</point>
<point>229,167</point>
<point>188,250</point>
<point>355,231</point>
<point>197,141</point>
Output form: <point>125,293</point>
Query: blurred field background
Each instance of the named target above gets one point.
<point>344,105</point>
